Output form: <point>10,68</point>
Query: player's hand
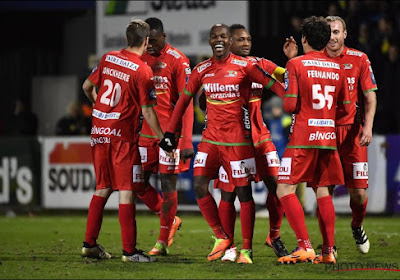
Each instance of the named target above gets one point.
<point>187,154</point>
<point>290,48</point>
<point>168,143</point>
<point>365,136</point>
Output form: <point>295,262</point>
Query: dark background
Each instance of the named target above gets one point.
<point>56,38</point>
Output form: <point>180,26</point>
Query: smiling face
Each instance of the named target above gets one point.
<point>336,43</point>
<point>156,42</point>
<point>241,42</point>
<point>220,41</point>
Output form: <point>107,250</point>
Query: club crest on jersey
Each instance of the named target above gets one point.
<point>161,65</point>
<point>231,74</point>
<point>348,66</point>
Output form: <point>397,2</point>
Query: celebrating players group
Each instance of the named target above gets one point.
<point>143,122</point>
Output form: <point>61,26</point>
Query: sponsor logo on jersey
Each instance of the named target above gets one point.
<point>239,62</point>
<point>320,63</point>
<point>273,159</point>
<point>173,53</point>
<point>143,154</point>
<point>105,131</point>
<point>209,75</point>
<point>322,136</point>
<point>105,116</point>
<point>160,65</point>
<point>286,80</point>
<point>223,176</point>
<point>256,86</point>
<point>350,52</point>
<point>321,122</point>
<point>122,62</point>
<point>200,159</point>
<point>138,176</point>
<point>243,168</point>
<point>231,74</point>
<point>348,66</point>
<point>100,140</point>
<point>164,159</point>
<point>152,94</point>
<point>373,78</point>
<point>217,87</point>
<point>285,167</point>
<point>201,68</point>
<point>360,170</point>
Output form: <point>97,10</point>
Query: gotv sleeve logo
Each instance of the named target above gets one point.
<point>360,170</point>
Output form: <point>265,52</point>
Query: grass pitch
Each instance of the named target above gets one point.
<point>48,247</point>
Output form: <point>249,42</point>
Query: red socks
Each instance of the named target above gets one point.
<point>326,219</point>
<point>247,218</point>
<point>151,198</point>
<point>295,216</point>
<point>94,219</point>
<point>127,221</point>
<point>167,216</point>
<point>275,209</point>
<point>227,215</point>
<point>359,212</point>
<point>209,210</point>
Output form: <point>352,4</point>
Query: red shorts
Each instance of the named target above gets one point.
<point>318,167</point>
<point>238,161</point>
<point>155,159</point>
<point>267,163</point>
<point>354,158</point>
<point>117,164</point>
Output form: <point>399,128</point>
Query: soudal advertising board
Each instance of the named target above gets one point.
<point>187,24</point>
<point>68,174</point>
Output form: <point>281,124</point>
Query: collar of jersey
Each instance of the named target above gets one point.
<point>128,53</point>
<point>214,60</point>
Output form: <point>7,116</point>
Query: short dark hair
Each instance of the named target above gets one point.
<point>136,32</point>
<point>155,24</point>
<point>235,27</point>
<point>220,25</point>
<point>317,32</point>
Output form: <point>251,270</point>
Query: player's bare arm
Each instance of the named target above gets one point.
<point>370,109</point>
<point>89,90</point>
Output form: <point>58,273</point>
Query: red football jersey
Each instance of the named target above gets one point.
<point>226,84</point>
<point>259,131</point>
<point>319,84</point>
<point>124,84</point>
<point>171,72</point>
<point>361,80</point>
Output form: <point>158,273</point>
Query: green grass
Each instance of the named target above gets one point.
<point>49,247</point>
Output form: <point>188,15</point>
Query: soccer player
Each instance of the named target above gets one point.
<point>226,80</point>
<point>171,71</point>
<point>125,90</point>
<point>314,86</point>
<point>354,129</point>
<point>267,159</point>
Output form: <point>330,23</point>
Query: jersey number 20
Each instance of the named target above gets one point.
<point>114,90</point>
<point>322,99</point>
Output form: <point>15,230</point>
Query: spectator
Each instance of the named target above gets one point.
<point>24,122</point>
<point>74,123</point>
